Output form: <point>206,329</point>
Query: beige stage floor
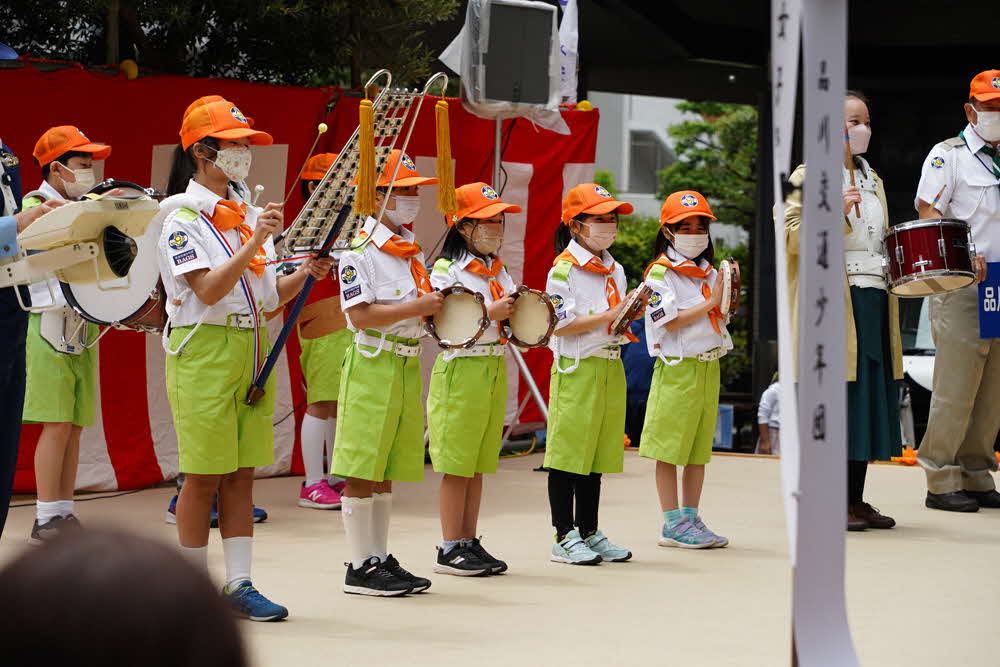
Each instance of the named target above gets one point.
<point>922,594</point>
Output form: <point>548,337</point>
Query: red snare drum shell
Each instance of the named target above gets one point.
<point>929,257</point>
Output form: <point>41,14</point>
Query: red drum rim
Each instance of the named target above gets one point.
<point>929,222</point>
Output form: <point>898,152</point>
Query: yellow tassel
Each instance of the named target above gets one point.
<point>447,201</point>
<point>364,200</point>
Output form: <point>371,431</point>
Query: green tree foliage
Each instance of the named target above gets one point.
<point>295,42</point>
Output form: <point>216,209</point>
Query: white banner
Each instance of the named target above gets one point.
<point>821,633</point>
<point>786,16</point>
<point>569,38</point>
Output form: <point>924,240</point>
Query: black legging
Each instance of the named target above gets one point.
<point>856,473</point>
<point>563,486</point>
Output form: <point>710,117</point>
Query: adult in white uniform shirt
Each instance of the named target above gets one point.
<point>961,179</point>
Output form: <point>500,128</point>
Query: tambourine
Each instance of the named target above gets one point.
<point>730,270</point>
<point>462,319</point>
<point>533,319</point>
<point>631,308</point>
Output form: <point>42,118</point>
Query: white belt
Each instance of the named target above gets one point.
<point>611,354</point>
<point>483,350</point>
<point>712,355</point>
<point>862,262</point>
<point>381,343</point>
<point>234,320</point>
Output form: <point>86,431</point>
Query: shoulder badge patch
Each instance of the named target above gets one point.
<point>177,240</point>
<point>937,162</point>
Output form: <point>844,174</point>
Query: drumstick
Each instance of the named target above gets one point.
<point>320,129</point>
<point>849,158</point>
<point>257,189</point>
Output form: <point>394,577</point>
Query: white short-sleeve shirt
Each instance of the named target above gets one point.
<point>969,189</point>
<point>584,293</point>
<point>768,410</point>
<point>369,275</point>
<point>677,292</point>
<point>189,242</point>
<point>47,292</point>
<point>458,273</point>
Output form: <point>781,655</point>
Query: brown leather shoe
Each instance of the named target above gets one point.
<point>854,522</point>
<point>871,515</point>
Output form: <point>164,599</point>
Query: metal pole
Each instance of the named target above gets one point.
<point>496,154</point>
<point>532,387</point>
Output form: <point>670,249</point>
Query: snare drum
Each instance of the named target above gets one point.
<point>533,319</point>
<point>462,319</point>
<point>930,257</point>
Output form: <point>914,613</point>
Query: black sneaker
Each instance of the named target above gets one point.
<point>497,566</point>
<point>419,584</point>
<point>72,524</point>
<point>373,578</point>
<point>461,562</point>
<point>48,531</point>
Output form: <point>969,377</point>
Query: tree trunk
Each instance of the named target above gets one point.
<point>111,33</point>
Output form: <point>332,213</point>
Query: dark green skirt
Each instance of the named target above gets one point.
<point>873,399</point>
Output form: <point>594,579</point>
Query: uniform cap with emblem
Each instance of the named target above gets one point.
<point>317,166</point>
<point>479,201</point>
<point>986,86</point>
<point>591,199</point>
<point>407,175</point>
<point>218,118</point>
<point>63,139</point>
<point>684,204</point>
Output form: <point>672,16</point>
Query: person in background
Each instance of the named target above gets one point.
<point>769,442</point>
<point>638,378</point>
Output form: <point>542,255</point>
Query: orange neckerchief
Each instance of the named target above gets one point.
<point>691,270</point>
<point>610,286</point>
<point>478,267</point>
<point>230,215</point>
<point>397,247</point>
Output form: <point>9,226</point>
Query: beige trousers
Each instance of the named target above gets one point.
<point>957,449</point>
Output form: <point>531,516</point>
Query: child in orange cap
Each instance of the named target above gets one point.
<point>587,393</point>
<point>216,261</point>
<point>321,360</point>
<point>468,391</point>
<point>61,389</point>
<point>686,332</point>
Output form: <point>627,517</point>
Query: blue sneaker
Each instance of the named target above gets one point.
<point>574,551</point>
<point>609,552</point>
<point>685,535</point>
<point>171,516</point>
<point>259,513</point>
<point>720,541</point>
<point>248,602</point>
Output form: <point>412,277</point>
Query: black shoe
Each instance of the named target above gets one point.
<point>956,501</point>
<point>985,498</point>
<point>418,584</point>
<point>72,524</point>
<point>373,578</point>
<point>497,566</point>
<point>48,531</point>
<point>461,562</point>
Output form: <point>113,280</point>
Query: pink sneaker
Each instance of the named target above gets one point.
<point>319,496</point>
<point>339,486</point>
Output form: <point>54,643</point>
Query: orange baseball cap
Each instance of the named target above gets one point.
<point>986,85</point>
<point>317,166</point>
<point>592,199</point>
<point>684,204</point>
<point>63,139</point>
<point>220,119</point>
<point>479,201</point>
<point>407,175</point>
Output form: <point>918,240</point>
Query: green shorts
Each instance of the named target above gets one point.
<point>681,412</point>
<point>465,414</point>
<point>586,430</point>
<point>217,432</point>
<point>322,359</point>
<point>380,418</point>
<point>60,387</point>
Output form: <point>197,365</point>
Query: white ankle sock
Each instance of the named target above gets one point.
<point>65,507</point>
<point>357,514</point>
<point>312,435</point>
<point>46,511</point>
<point>380,525</point>
<point>239,553</point>
<point>198,556</point>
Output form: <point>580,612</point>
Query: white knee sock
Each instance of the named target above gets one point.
<point>331,434</point>
<point>239,553</point>
<point>65,507</point>
<point>46,511</point>
<point>380,525</point>
<point>198,556</point>
<point>312,435</point>
<point>357,513</point>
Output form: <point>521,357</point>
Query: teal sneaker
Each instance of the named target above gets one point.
<point>720,541</point>
<point>685,535</point>
<point>601,545</point>
<point>574,551</point>
<point>247,601</point>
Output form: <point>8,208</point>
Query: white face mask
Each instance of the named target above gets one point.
<point>486,241</point>
<point>234,162</point>
<point>859,135</point>
<point>988,125</point>
<point>600,236</point>
<point>406,211</point>
<point>84,182</point>
<point>690,245</point>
